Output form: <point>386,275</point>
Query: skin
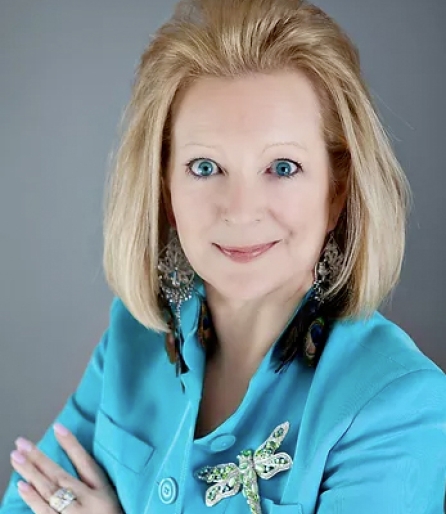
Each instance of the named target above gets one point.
<point>243,203</point>
<point>43,477</point>
<point>228,125</point>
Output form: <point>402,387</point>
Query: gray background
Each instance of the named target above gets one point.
<point>65,75</point>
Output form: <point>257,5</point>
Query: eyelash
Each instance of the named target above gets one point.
<point>201,177</point>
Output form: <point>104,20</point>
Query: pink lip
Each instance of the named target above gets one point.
<point>246,249</point>
<point>246,253</point>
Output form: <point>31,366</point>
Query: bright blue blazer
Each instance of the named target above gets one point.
<point>367,427</point>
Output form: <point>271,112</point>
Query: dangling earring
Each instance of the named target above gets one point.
<point>325,271</point>
<point>309,330</point>
<point>176,275</point>
<point>327,268</point>
<point>176,280</point>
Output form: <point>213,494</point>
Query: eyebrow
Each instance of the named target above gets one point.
<point>285,143</point>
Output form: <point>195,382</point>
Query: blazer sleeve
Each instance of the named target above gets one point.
<point>78,414</point>
<point>392,458</point>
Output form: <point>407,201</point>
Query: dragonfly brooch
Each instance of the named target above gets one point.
<point>229,478</point>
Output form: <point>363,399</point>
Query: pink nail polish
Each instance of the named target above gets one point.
<point>18,457</point>
<point>23,444</point>
<point>23,486</point>
<point>60,429</point>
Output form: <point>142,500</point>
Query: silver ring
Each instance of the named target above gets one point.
<point>61,499</point>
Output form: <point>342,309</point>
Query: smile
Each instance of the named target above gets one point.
<point>247,253</point>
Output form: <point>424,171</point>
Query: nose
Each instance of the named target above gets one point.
<point>242,203</point>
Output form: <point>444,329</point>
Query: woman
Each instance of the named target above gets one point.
<point>255,222</point>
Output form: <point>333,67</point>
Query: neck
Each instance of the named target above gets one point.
<point>246,329</point>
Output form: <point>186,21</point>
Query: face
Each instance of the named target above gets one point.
<point>249,167</point>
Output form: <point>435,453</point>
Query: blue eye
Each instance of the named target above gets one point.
<point>204,168</point>
<point>283,169</point>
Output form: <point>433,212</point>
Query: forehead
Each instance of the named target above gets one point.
<point>256,108</point>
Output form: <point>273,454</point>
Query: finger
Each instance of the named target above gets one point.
<point>33,499</point>
<point>41,470</point>
<point>88,469</point>
<point>41,483</point>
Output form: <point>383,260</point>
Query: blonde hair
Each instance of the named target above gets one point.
<point>232,38</point>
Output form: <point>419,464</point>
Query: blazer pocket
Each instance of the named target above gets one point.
<point>274,508</point>
<point>122,446</point>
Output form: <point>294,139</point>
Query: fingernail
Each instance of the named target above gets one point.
<point>60,429</point>
<point>23,444</point>
<point>18,457</point>
<point>23,486</point>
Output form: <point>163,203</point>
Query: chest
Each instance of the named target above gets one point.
<point>222,394</point>
<point>144,435</point>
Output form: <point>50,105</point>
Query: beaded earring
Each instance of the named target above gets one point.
<point>176,280</point>
<point>308,332</point>
<point>328,267</point>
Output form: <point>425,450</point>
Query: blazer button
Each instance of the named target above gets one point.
<point>222,442</point>
<point>168,490</point>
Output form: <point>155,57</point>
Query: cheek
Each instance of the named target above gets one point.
<point>190,209</point>
<point>302,211</point>
<point>180,196</point>
<point>304,217</point>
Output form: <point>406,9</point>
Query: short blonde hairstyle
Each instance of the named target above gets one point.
<point>229,39</point>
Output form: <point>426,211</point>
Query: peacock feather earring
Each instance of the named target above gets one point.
<point>176,280</point>
<point>308,332</point>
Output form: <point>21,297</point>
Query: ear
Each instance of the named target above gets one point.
<point>166,200</point>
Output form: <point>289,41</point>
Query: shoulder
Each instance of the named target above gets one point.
<point>129,340</point>
<point>374,348</point>
<point>377,416</point>
<point>122,320</point>
<point>369,358</point>
<point>379,342</point>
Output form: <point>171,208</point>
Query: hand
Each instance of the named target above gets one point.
<point>44,477</point>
